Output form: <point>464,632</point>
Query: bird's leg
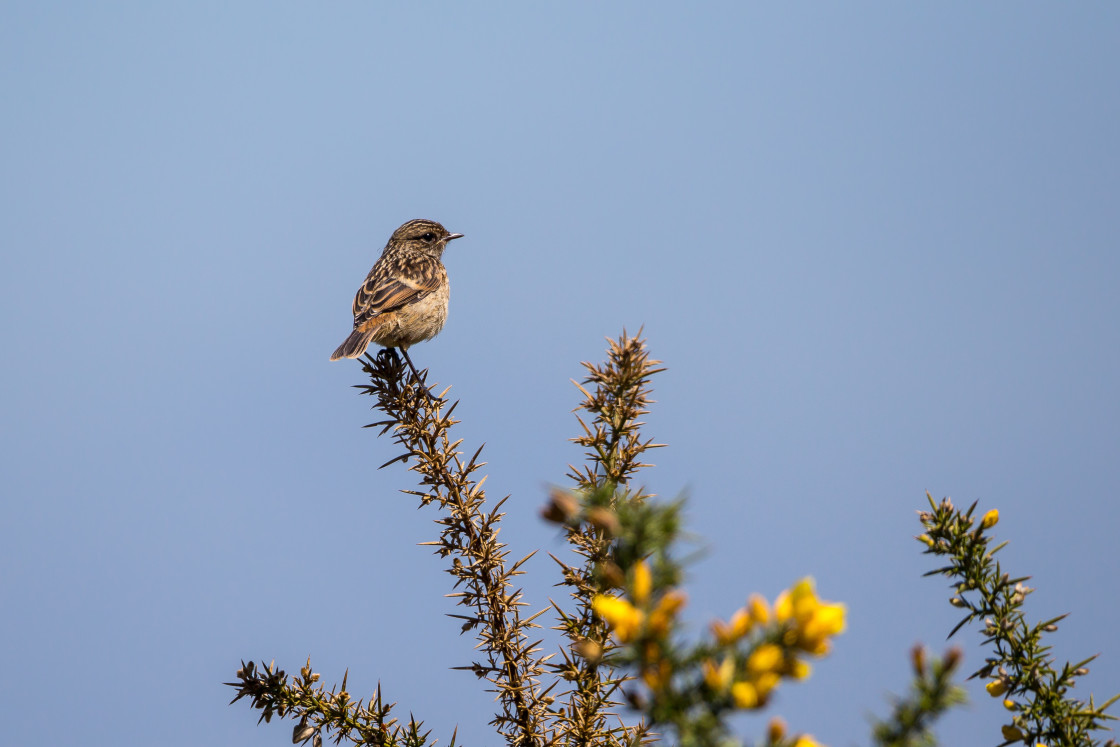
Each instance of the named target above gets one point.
<point>392,353</point>
<point>415,373</point>
<point>395,354</point>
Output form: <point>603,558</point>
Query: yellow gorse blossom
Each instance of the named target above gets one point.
<point>729,632</point>
<point>806,624</point>
<point>624,618</point>
<point>801,621</point>
<point>745,695</point>
<point>764,671</point>
<point>760,611</point>
<point>718,677</point>
<point>990,519</point>
<point>1011,733</point>
<point>813,622</point>
<point>753,692</point>
<point>804,598</point>
<point>766,682</point>
<point>643,582</point>
<point>996,688</point>
<point>799,670</point>
<point>766,658</point>
<point>662,617</point>
<point>806,741</point>
<point>826,621</point>
<point>783,607</point>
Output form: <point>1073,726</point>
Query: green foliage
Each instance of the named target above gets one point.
<point>932,693</point>
<point>1020,666</point>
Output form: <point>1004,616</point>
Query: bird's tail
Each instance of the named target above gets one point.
<point>354,346</point>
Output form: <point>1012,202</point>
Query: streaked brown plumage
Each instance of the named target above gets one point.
<point>404,298</point>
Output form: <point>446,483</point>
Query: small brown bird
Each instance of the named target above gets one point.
<point>404,298</point>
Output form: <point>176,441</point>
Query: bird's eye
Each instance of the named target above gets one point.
<point>429,236</point>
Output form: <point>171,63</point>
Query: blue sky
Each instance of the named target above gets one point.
<point>874,243</point>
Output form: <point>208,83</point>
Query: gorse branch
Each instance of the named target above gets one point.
<point>420,422</point>
<point>270,691</point>
<point>616,394</point>
<point>620,395</point>
<point>1021,670</point>
<point>931,695</point>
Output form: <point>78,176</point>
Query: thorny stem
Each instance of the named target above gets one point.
<point>619,396</point>
<point>1023,668</point>
<point>420,422</point>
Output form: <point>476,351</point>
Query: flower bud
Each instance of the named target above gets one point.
<point>776,731</point>
<point>562,508</point>
<point>996,688</point>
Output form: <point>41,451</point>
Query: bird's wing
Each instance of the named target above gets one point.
<point>395,281</point>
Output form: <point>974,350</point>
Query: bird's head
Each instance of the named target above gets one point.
<point>425,236</point>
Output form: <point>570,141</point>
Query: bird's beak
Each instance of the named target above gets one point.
<point>454,236</point>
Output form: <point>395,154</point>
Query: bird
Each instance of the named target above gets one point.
<point>403,300</point>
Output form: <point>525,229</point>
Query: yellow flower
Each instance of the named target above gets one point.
<point>741,623</point>
<point>745,695</point>
<point>760,611</point>
<point>996,688</point>
<point>661,619</point>
<point>766,682</point>
<point>721,631</point>
<point>624,618</point>
<point>718,678</point>
<point>1012,733</point>
<point>797,603</point>
<point>1010,704</point>
<point>815,646</point>
<point>806,741</point>
<point>643,582</point>
<point>803,600</point>
<point>783,607</point>
<point>766,658</point>
<point>799,669</point>
<point>729,632</point>
<point>824,622</point>
<point>814,621</point>
<point>990,519</point>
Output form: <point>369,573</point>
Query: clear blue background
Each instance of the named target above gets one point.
<point>875,245</point>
